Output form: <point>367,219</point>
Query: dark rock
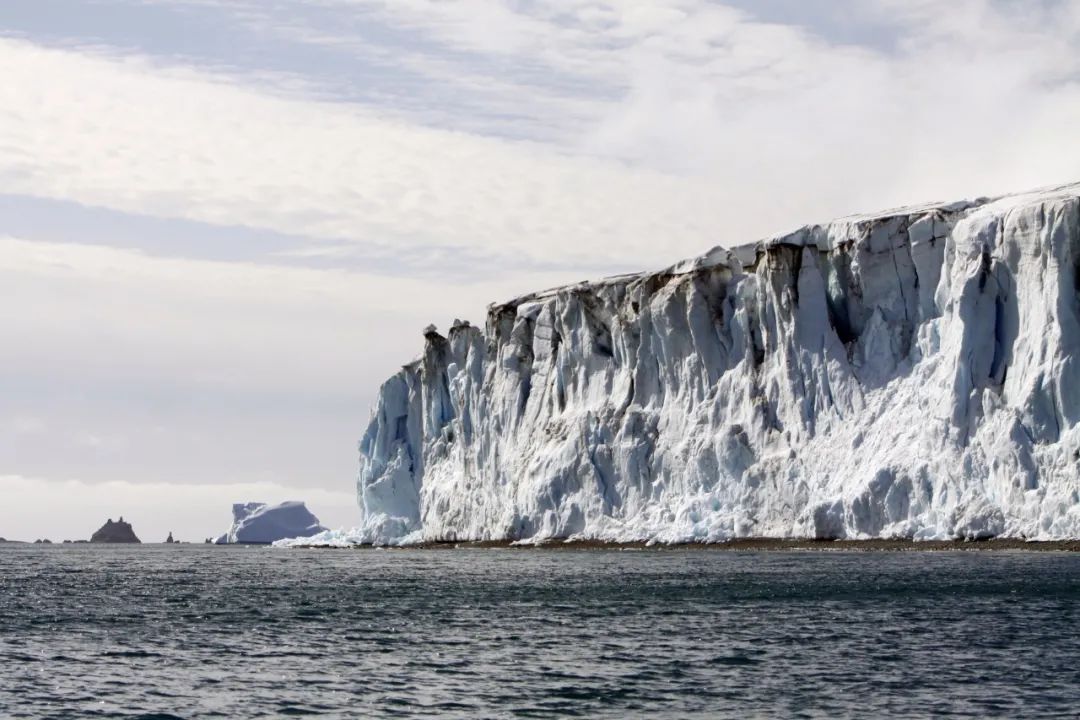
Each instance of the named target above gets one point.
<point>115,532</point>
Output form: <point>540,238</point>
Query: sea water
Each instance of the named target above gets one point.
<point>243,632</point>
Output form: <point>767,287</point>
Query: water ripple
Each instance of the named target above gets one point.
<point>207,632</point>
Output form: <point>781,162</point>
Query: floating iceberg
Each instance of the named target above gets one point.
<point>261,523</point>
<point>912,373</point>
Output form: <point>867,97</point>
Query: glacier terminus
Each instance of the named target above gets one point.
<point>904,374</point>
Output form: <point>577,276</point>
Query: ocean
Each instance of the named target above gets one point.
<point>193,631</point>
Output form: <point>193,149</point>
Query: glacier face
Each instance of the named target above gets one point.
<point>911,373</point>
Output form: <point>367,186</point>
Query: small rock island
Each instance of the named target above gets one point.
<point>115,532</point>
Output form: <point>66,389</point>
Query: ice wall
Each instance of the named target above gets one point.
<point>911,373</point>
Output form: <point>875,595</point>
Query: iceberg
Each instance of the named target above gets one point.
<point>261,523</point>
<point>905,374</point>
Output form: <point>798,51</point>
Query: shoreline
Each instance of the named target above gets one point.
<point>736,545</point>
<point>740,545</point>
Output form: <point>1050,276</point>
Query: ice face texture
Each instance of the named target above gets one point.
<point>261,523</point>
<point>911,373</point>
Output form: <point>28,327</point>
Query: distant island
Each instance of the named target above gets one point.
<point>115,532</point>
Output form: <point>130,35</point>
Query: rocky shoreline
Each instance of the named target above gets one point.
<point>751,545</point>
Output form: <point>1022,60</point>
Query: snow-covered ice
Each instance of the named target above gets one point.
<point>911,373</point>
<point>261,523</point>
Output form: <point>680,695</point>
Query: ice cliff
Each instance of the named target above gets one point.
<point>261,523</point>
<point>911,373</point>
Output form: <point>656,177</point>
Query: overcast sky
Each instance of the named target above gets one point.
<point>223,223</point>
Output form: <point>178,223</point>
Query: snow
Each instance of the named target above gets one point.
<point>255,522</point>
<point>911,373</point>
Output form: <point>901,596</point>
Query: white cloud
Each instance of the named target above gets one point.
<point>24,425</point>
<point>976,96</point>
<point>185,309</point>
<point>179,144</point>
<point>971,101</point>
<point>706,127</point>
<point>146,369</point>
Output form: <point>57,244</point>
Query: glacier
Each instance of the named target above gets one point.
<point>903,374</point>
<point>257,522</point>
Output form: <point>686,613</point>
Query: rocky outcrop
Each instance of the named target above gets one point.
<point>115,532</point>
<point>911,373</point>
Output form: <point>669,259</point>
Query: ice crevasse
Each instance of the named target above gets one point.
<point>911,373</point>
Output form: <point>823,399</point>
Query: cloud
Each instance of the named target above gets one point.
<point>24,425</point>
<point>177,143</point>
<point>698,125</point>
<point>781,122</point>
<point>72,510</point>
<point>224,323</point>
<point>971,99</point>
<point>150,369</point>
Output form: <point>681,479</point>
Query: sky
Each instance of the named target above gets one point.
<point>223,223</point>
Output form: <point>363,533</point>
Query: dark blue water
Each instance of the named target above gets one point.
<point>233,632</point>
